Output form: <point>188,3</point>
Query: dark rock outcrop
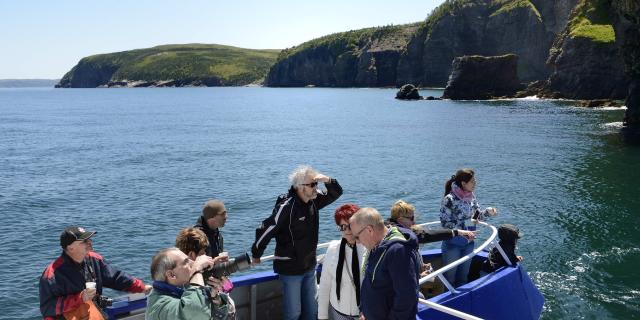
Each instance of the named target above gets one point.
<point>480,78</point>
<point>626,23</point>
<point>408,92</point>
<point>478,27</point>
<point>360,58</point>
<point>585,60</point>
<point>87,74</point>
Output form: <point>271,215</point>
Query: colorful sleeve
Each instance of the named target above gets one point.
<point>119,280</point>
<point>52,305</point>
<point>447,217</point>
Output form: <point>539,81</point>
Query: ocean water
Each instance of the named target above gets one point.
<point>137,164</point>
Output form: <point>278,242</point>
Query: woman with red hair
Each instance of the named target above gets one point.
<point>339,292</point>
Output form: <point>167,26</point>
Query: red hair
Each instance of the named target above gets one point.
<point>345,212</point>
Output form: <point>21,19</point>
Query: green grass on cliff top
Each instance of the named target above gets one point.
<point>509,5</point>
<point>591,20</point>
<point>351,40</point>
<point>171,62</point>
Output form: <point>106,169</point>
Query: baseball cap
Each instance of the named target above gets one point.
<point>75,233</point>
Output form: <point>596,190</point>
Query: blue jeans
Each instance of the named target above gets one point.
<point>452,252</point>
<point>299,296</point>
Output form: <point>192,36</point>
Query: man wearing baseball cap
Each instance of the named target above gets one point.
<point>76,278</point>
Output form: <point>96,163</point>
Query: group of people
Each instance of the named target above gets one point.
<point>372,272</point>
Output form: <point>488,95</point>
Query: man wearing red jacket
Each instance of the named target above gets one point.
<point>62,285</point>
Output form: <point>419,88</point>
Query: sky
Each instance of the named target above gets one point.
<point>45,39</point>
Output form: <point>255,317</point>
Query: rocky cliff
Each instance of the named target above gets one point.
<point>481,27</point>
<point>585,60</point>
<point>626,22</point>
<point>172,65</point>
<point>359,58</point>
<point>479,77</point>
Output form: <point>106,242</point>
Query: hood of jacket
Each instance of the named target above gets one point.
<point>398,234</point>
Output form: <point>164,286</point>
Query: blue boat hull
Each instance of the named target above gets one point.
<point>507,293</point>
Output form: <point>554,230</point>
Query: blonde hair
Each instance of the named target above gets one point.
<point>401,208</point>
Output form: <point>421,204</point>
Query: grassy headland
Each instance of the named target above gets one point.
<point>189,62</point>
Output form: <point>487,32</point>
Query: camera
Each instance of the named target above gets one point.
<point>104,302</point>
<point>239,263</point>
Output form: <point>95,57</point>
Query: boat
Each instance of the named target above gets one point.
<point>507,293</point>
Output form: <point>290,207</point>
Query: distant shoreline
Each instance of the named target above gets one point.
<point>28,83</point>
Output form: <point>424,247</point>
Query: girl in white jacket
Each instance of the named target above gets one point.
<point>339,292</point>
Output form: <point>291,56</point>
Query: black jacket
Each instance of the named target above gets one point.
<point>426,235</point>
<point>63,280</point>
<point>294,224</point>
<point>216,242</point>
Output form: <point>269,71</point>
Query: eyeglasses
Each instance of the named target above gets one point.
<point>312,184</point>
<point>343,227</point>
<point>357,235</point>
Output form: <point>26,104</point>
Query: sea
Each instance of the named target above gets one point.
<point>136,165</point>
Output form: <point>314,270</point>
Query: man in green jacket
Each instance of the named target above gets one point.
<point>179,291</point>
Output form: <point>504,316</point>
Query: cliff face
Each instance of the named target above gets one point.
<point>360,58</point>
<point>479,77</point>
<point>422,53</point>
<point>585,59</point>
<point>87,74</point>
<point>626,22</point>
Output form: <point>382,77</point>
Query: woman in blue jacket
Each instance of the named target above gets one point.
<point>458,206</point>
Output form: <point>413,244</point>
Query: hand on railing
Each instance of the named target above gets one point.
<point>467,234</point>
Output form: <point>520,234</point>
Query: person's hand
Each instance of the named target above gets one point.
<point>203,262</point>
<point>216,286</point>
<point>467,234</point>
<point>362,317</point>
<point>321,178</point>
<point>147,288</point>
<point>88,294</point>
<point>255,261</point>
<point>492,211</point>
<point>220,259</point>
<point>520,258</point>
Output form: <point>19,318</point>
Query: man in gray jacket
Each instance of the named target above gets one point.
<point>179,291</point>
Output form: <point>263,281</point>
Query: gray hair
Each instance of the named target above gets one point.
<point>368,216</point>
<point>162,262</point>
<point>298,175</point>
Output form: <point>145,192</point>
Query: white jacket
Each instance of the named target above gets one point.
<point>327,289</point>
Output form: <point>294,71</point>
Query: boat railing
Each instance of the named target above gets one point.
<point>440,272</point>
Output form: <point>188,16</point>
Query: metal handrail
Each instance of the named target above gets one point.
<point>440,272</point>
<point>494,233</point>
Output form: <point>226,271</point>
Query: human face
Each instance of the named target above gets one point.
<point>470,185</point>
<point>79,249</point>
<point>308,190</point>
<point>345,229</point>
<point>219,220</point>
<point>407,220</point>
<point>181,273</point>
<point>362,234</point>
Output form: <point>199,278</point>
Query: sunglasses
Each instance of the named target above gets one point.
<point>357,235</point>
<point>312,184</point>
<point>343,227</point>
<point>412,218</point>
